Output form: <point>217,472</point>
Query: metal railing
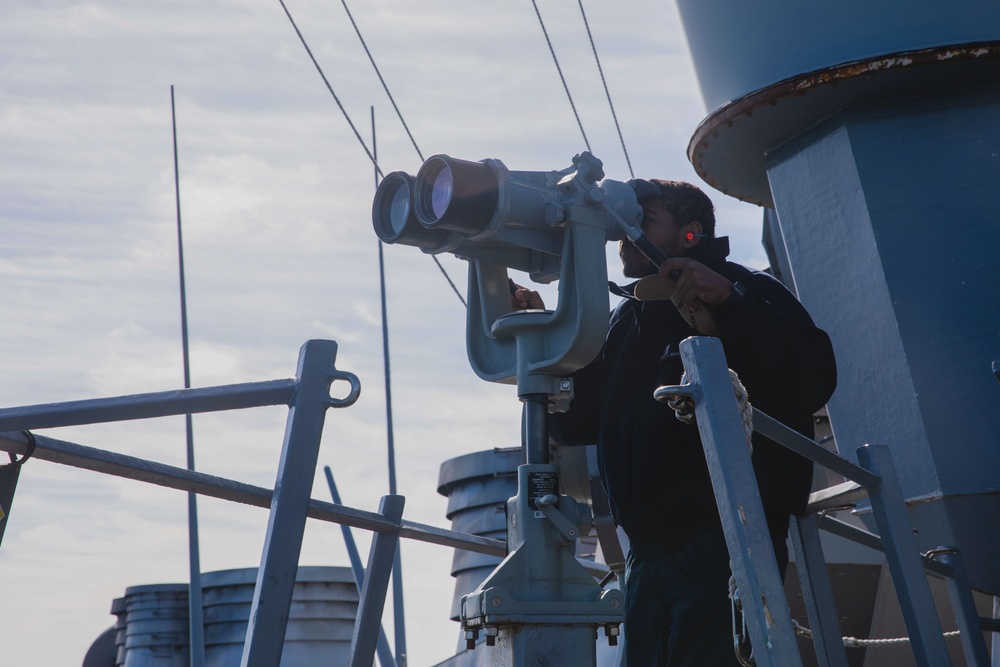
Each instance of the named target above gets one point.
<point>755,568</point>
<point>307,397</point>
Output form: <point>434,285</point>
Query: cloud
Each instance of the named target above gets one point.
<point>275,199</point>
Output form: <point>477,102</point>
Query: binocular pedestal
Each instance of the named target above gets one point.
<point>540,606</point>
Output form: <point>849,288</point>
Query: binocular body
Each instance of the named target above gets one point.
<point>484,211</point>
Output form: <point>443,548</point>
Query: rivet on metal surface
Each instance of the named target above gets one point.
<point>496,602</point>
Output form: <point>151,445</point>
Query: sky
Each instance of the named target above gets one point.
<point>275,194</point>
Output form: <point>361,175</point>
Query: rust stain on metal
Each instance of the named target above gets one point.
<point>865,67</point>
<point>803,84</point>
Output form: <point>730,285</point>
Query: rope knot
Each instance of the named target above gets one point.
<point>683,407</point>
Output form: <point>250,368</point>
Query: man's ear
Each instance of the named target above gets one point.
<point>692,234</point>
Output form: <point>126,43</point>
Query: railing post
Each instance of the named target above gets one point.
<point>293,486</point>
<point>372,603</point>
<point>751,552</point>
<point>964,607</point>
<point>817,594</point>
<point>385,657</point>
<point>903,558</point>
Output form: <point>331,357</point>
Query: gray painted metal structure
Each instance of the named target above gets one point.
<point>308,397</point>
<point>540,606</point>
<point>871,129</point>
<point>764,605</point>
<point>551,225</point>
<point>130,467</point>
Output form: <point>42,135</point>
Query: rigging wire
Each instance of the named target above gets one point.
<point>361,141</point>
<point>559,69</point>
<point>336,99</point>
<point>399,623</point>
<point>406,127</point>
<point>606,91</point>
<point>382,81</point>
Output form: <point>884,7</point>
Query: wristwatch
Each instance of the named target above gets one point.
<point>739,291</point>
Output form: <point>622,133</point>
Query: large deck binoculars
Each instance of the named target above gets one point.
<point>484,211</point>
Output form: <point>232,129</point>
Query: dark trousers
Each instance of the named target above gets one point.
<point>677,608</point>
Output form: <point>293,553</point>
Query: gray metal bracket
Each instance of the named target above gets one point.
<point>541,583</point>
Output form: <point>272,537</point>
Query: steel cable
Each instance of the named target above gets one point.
<point>354,129</point>
<point>559,69</point>
<point>606,91</point>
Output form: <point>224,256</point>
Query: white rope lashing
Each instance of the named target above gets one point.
<point>854,642</point>
<point>683,407</point>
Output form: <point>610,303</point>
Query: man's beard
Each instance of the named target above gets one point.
<point>634,263</point>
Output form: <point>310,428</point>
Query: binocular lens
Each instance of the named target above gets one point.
<point>393,218</point>
<point>441,191</point>
<point>399,208</point>
<point>455,194</point>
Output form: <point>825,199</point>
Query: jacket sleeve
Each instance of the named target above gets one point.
<point>783,359</point>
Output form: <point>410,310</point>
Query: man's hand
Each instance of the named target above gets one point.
<point>522,298</point>
<point>697,285</point>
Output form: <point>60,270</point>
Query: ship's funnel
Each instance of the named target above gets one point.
<point>871,128</point>
<point>478,486</point>
<point>152,620</point>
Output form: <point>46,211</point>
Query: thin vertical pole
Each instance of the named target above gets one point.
<point>373,593</point>
<point>197,627</point>
<point>357,567</point>
<point>399,622</point>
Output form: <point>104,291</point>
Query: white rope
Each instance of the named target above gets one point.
<point>746,411</point>
<point>683,407</point>
<point>854,642</point>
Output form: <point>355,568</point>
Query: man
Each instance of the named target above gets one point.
<point>653,466</point>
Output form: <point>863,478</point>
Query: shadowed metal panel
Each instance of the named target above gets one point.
<point>741,47</point>
<point>890,218</point>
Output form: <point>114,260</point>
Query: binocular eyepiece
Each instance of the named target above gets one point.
<point>482,210</point>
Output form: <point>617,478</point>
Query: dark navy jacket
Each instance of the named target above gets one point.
<point>652,465</point>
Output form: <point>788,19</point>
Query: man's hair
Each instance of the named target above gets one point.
<point>687,203</point>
